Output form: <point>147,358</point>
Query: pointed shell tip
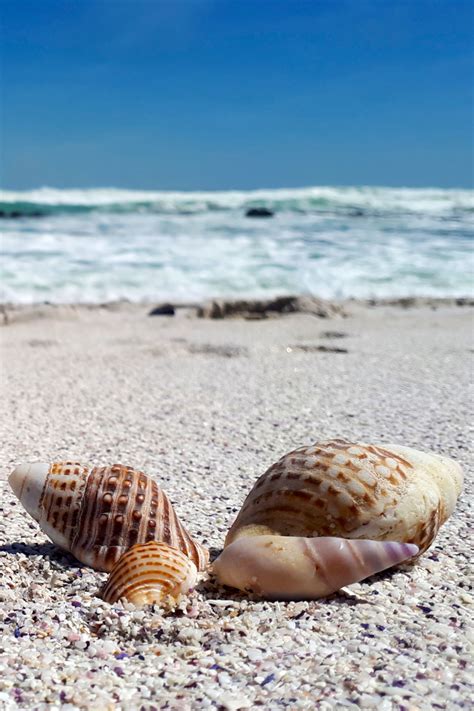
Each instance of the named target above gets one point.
<point>27,482</point>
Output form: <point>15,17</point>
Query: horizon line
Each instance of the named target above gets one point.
<point>235,189</point>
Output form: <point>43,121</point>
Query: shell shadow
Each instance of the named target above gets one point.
<point>211,590</point>
<point>48,550</point>
<point>214,553</point>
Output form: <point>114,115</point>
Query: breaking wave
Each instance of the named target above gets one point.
<point>353,202</point>
<point>101,245</point>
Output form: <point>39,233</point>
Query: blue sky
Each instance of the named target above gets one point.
<point>221,94</point>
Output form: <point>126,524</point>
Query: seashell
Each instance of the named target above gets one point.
<point>290,538</point>
<point>98,513</point>
<point>340,488</point>
<point>296,568</point>
<point>150,573</point>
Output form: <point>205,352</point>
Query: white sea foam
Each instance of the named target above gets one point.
<point>433,200</point>
<point>333,242</point>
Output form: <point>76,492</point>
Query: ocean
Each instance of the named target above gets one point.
<point>99,245</point>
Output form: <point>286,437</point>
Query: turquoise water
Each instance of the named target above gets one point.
<point>98,245</point>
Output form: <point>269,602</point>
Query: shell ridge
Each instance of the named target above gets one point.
<point>184,539</point>
<point>124,534</point>
<point>161,521</point>
<point>77,485</point>
<point>140,564</point>
<point>150,573</point>
<point>55,500</point>
<point>84,537</point>
<point>46,503</point>
<point>173,533</point>
<point>145,510</point>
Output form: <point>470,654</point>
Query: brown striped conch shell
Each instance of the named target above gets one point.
<point>344,490</point>
<point>150,573</point>
<point>98,513</point>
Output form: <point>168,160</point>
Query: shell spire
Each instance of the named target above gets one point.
<point>98,513</point>
<point>27,482</point>
<point>295,568</point>
<point>150,573</point>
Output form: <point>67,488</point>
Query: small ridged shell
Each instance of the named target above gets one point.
<point>150,573</point>
<point>99,513</point>
<point>352,490</point>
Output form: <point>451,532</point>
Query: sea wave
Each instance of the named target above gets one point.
<point>349,201</point>
<point>101,245</point>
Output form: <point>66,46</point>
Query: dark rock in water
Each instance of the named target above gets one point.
<point>263,308</point>
<point>259,212</point>
<point>15,214</point>
<point>162,310</point>
<point>12,214</point>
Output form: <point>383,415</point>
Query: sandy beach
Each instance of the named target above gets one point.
<point>205,406</point>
